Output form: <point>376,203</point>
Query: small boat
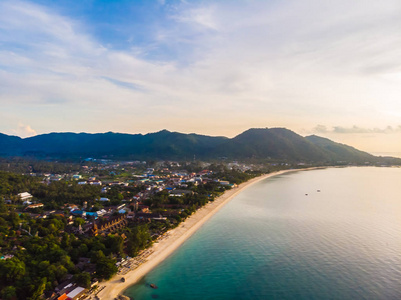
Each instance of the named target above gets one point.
<point>153,286</point>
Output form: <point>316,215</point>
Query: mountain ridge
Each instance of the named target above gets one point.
<point>253,144</point>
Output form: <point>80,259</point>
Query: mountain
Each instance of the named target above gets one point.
<point>253,144</point>
<point>275,143</point>
<point>159,145</point>
<point>340,152</point>
<point>9,144</point>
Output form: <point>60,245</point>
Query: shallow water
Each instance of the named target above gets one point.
<point>283,239</point>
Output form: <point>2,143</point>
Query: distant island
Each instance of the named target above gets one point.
<point>256,144</point>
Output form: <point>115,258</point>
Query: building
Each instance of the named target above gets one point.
<point>78,213</point>
<point>180,193</point>
<point>76,293</point>
<point>109,226</point>
<point>32,206</point>
<point>25,196</point>
<point>94,182</point>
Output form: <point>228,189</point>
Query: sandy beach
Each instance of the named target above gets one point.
<point>174,238</point>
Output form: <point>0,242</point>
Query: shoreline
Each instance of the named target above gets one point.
<point>163,248</point>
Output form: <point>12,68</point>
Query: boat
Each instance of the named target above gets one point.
<point>153,286</point>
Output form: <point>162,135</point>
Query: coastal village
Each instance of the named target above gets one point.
<point>83,227</point>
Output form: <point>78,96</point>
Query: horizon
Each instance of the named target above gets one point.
<point>200,66</point>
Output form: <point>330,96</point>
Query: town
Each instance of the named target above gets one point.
<point>63,233</point>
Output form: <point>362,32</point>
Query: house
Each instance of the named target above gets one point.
<point>131,215</point>
<point>55,177</point>
<point>25,196</point>
<point>78,213</point>
<point>95,182</point>
<point>91,214</point>
<point>63,297</point>
<point>33,206</point>
<point>115,183</point>
<point>76,293</point>
<point>149,216</point>
<point>82,262</point>
<point>180,193</point>
<point>72,206</point>
<point>101,212</point>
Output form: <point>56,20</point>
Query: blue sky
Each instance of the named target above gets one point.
<point>211,67</point>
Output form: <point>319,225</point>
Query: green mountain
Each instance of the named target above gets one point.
<point>253,144</point>
<point>10,144</point>
<point>340,152</point>
<point>274,143</point>
<point>159,145</point>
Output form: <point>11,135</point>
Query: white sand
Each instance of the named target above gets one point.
<point>176,237</point>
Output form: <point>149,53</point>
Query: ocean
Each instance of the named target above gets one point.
<point>323,234</point>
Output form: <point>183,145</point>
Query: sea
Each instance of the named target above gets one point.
<point>330,233</point>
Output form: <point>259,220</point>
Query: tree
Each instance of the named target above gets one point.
<point>3,207</point>
<point>12,269</point>
<point>79,221</point>
<point>115,243</point>
<point>83,279</point>
<point>106,268</point>
<point>97,256</point>
<point>138,239</point>
<point>8,293</point>
<point>37,294</point>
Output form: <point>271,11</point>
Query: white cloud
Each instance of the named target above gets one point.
<point>356,129</point>
<point>24,131</point>
<point>234,65</point>
<point>320,129</point>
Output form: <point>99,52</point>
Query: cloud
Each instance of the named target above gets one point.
<point>24,131</point>
<point>200,17</point>
<point>262,63</point>
<point>356,129</point>
<point>320,129</point>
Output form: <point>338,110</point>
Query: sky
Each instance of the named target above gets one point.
<point>330,68</point>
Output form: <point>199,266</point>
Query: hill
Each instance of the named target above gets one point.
<point>338,152</point>
<point>253,144</point>
<point>274,143</point>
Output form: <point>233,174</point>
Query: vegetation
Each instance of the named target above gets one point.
<point>260,144</point>
<point>41,248</point>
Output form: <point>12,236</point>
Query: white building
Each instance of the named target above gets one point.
<point>25,196</point>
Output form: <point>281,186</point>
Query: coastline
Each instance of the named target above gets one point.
<point>176,237</point>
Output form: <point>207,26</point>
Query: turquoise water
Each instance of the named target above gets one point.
<point>273,241</point>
